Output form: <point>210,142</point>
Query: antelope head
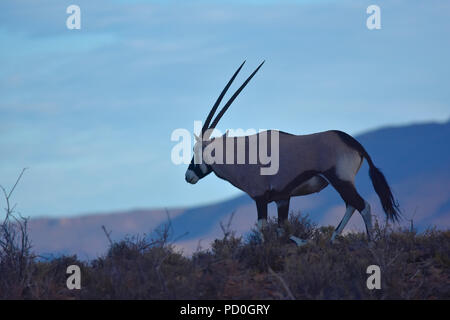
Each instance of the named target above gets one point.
<point>197,168</point>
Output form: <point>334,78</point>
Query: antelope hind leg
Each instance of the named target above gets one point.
<point>348,214</point>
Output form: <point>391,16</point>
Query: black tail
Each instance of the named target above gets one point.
<point>381,186</point>
<point>390,206</point>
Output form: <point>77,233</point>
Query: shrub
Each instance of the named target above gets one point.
<point>413,266</point>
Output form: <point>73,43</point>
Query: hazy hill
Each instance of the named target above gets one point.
<point>414,158</point>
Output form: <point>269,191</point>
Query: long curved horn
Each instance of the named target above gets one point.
<point>219,99</point>
<point>227,105</point>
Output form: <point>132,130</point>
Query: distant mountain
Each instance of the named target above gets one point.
<point>414,158</point>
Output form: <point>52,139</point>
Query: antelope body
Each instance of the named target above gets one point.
<point>306,164</point>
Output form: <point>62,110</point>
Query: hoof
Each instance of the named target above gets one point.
<point>334,241</point>
<point>299,242</point>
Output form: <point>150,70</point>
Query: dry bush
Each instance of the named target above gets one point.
<point>140,268</point>
<point>16,259</point>
<point>413,266</point>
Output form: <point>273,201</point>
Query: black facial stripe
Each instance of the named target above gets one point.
<point>198,171</point>
<point>196,168</point>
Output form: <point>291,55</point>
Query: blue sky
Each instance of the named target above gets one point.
<point>90,112</point>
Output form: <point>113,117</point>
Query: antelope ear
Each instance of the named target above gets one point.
<point>197,138</point>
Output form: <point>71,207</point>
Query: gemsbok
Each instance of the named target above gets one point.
<point>306,164</point>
